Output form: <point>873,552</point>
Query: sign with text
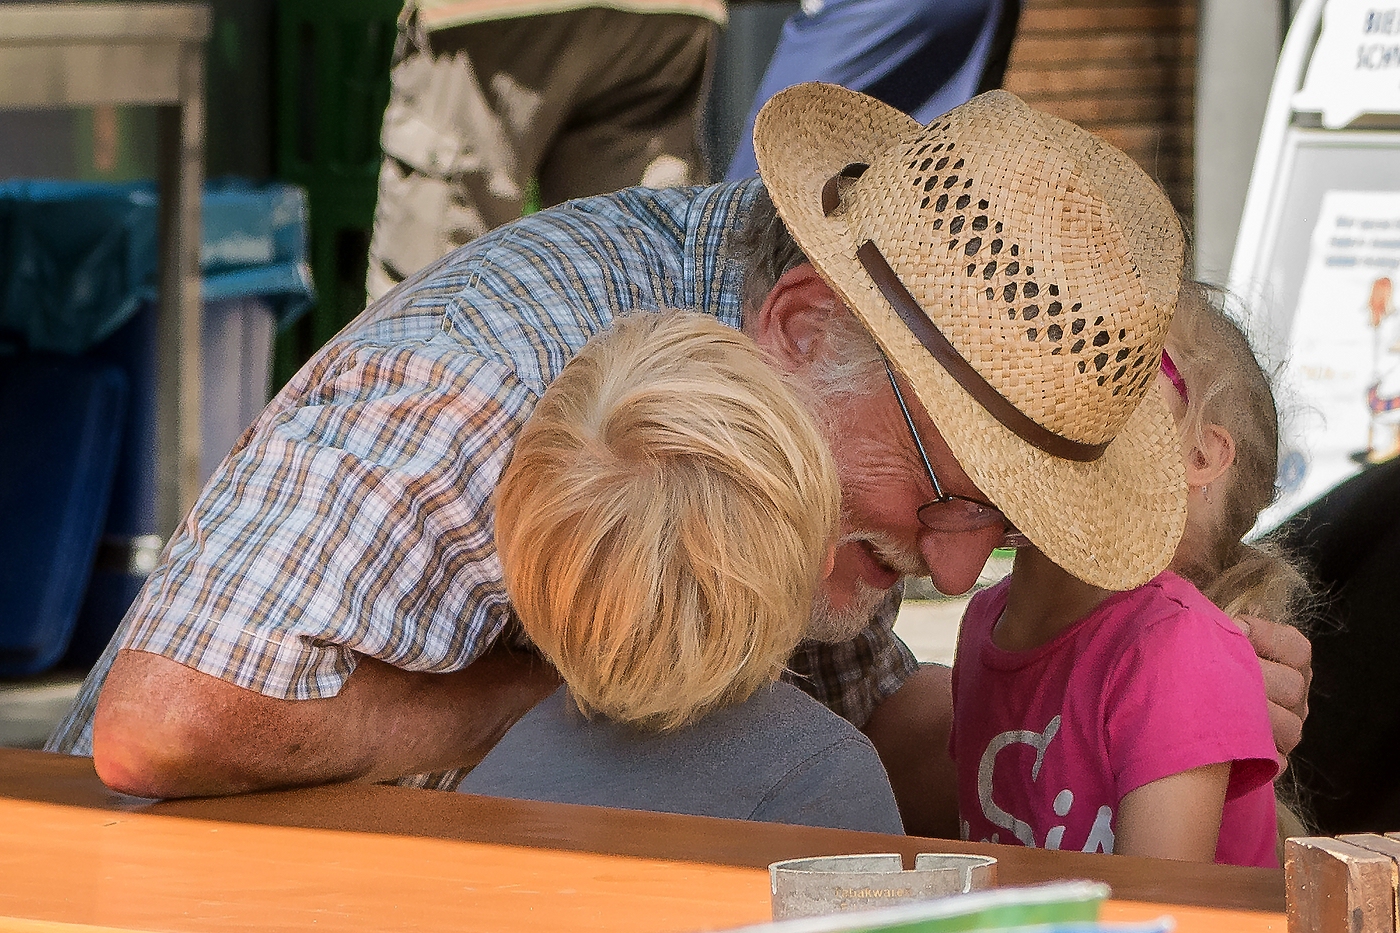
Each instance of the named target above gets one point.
<point>1355,67</point>
<point>1340,395</point>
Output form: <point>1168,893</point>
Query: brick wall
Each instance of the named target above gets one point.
<point>1125,69</point>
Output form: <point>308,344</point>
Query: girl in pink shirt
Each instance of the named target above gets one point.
<point>1136,722</point>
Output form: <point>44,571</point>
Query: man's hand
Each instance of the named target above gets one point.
<point>165,730</point>
<point>1285,655</point>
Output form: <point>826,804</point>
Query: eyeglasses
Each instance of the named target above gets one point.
<point>947,513</point>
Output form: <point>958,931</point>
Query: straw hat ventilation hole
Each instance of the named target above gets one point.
<point>938,192</point>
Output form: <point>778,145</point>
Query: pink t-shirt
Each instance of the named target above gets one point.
<point>1154,682</point>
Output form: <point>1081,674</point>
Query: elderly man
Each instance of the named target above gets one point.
<point>333,609</point>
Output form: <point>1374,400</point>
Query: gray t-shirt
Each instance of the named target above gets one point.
<point>779,757</point>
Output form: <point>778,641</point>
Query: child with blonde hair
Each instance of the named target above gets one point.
<point>1135,722</point>
<point>666,517</point>
<point>1225,410</point>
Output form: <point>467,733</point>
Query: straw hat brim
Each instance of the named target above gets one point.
<point>1114,522</point>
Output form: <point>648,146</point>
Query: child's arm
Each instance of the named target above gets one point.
<point>1176,817</point>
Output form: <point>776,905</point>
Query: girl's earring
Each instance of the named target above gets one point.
<point>1205,492</point>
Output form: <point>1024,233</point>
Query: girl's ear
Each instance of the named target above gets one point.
<point>1212,453</point>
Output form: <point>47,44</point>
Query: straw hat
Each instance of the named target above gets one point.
<point>1021,274</point>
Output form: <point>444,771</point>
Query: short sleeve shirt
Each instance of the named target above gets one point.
<point>1154,682</point>
<point>354,516</point>
<point>777,757</point>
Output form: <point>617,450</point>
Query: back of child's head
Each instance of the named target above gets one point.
<point>1225,385</point>
<point>665,520</point>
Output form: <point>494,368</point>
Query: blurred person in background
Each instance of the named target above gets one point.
<point>924,57</point>
<point>487,95</point>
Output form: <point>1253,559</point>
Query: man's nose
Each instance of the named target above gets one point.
<point>955,560</point>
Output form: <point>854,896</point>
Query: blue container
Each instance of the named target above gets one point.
<point>78,259</point>
<point>61,418</point>
<point>78,276</point>
<point>236,347</point>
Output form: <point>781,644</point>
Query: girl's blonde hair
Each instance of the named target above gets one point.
<point>1227,386</point>
<point>664,520</point>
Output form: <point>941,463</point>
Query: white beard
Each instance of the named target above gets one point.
<point>832,626</point>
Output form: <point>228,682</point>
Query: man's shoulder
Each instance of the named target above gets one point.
<point>530,293</point>
<point>614,227</point>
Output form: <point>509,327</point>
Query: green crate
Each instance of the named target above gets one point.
<point>332,68</point>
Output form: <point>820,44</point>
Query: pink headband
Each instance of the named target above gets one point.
<point>1170,371</point>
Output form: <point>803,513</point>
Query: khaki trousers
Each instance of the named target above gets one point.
<point>585,101</point>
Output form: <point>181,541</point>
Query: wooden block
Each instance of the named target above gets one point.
<point>1338,887</point>
<point>1388,844</point>
<point>1382,845</point>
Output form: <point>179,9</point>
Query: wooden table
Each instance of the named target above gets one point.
<point>88,54</point>
<point>75,856</point>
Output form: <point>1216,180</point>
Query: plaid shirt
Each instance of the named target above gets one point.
<point>354,516</point>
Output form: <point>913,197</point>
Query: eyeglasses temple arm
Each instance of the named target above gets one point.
<point>909,420</point>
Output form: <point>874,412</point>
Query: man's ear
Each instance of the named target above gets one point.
<point>1209,456</point>
<point>792,319</point>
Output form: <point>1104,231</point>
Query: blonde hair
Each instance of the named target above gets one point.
<point>664,520</point>
<point>1226,386</point>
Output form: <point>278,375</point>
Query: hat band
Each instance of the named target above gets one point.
<point>996,404</point>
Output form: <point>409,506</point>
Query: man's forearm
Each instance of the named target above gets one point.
<point>910,731</point>
<point>165,730</point>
